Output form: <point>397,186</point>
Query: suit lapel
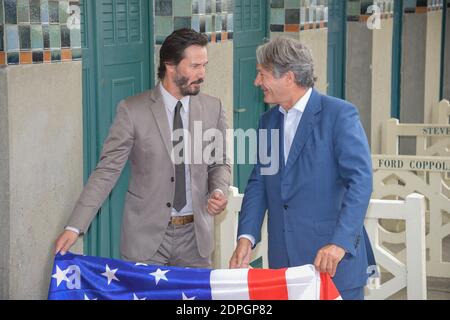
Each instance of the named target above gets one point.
<point>195,114</point>
<point>280,125</point>
<point>159,112</point>
<point>305,127</point>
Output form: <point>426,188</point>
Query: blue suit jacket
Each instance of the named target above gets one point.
<point>320,196</point>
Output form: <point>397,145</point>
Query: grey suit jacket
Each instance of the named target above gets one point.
<point>141,134</point>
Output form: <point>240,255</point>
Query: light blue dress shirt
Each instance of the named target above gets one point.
<point>291,121</point>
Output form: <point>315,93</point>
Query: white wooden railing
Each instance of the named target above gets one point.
<point>441,114</point>
<point>425,145</point>
<point>410,274</point>
<point>226,233</point>
<point>397,176</point>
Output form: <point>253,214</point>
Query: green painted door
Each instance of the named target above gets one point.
<point>250,30</point>
<point>337,21</point>
<point>397,59</point>
<point>117,50</point>
<point>444,41</point>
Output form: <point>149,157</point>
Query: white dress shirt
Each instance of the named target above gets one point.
<point>291,121</point>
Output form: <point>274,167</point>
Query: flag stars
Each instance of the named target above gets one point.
<point>141,264</point>
<point>110,274</point>
<point>135,297</point>
<point>159,275</point>
<point>60,276</point>
<point>185,297</point>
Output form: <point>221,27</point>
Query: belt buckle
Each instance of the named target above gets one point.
<point>181,221</point>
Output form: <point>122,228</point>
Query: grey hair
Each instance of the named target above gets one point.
<point>283,54</point>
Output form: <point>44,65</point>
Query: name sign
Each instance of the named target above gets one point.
<point>411,163</point>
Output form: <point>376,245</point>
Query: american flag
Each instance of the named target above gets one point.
<point>78,277</point>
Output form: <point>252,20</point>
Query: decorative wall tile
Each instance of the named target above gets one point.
<point>25,57</point>
<point>297,15</point>
<point>218,6</point>
<point>409,6</point>
<point>35,11</point>
<point>38,56</point>
<point>46,36</point>
<point>163,7</point>
<point>53,11</point>
<point>55,36</point>
<point>277,3</point>
<point>47,56</point>
<point>2,48</point>
<point>36,31</point>
<point>292,16</point>
<point>181,22</point>
<point>56,55</point>
<point>2,57</point>
<point>66,54</point>
<point>1,13</point>
<point>353,10</point>
<point>183,8</point>
<point>75,38</point>
<point>65,36</point>
<point>10,9</point>
<point>292,4</point>
<point>13,57</point>
<point>12,38</point>
<point>358,10</point>
<point>212,17</point>
<point>277,16</point>
<point>25,37</point>
<point>76,54</point>
<point>44,12</point>
<point>23,11</point>
<point>63,11</point>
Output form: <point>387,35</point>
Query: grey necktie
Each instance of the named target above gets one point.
<point>179,200</point>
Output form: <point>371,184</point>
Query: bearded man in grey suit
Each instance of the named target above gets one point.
<point>170,205</point>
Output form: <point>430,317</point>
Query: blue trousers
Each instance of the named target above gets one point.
<point>353,294</point>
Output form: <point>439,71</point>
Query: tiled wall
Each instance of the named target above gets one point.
<point>297,15</point>
<point>357,10</point>
<point>39,31</point>
<point>212,17</point>
<point>421,6</point>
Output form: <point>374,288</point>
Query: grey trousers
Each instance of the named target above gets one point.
<point>179,249</point>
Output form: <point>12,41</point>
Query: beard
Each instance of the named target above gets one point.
<point>185,87</point>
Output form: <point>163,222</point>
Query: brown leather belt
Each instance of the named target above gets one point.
<point>182,220</point>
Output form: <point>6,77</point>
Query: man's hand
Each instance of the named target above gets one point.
<point>65,241</point>
<point>241,256</point>
<point>328,258</point>
<point>216,203</point>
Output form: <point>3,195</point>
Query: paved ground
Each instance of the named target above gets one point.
<point>438,288</point>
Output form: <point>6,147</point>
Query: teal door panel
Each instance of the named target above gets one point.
<point>250,30</point>
<point>443,47</point>
<point>336,48</point>
<point>397,59</point>
<point>117,63</point>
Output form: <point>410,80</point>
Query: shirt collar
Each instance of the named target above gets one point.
<point>300,105</point>
<point>170,101</point>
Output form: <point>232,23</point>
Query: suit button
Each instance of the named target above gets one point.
<point>286,207</point>
<point>168,204</point>
<point>172,179</point>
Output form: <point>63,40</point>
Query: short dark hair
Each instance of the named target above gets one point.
<point>172,49</point>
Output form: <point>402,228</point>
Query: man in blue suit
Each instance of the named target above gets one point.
<point>317,200</point>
